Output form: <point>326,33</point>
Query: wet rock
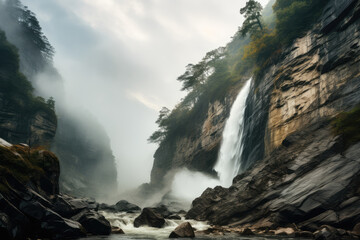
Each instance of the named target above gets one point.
<point>184,230</point>
<point>125,206</point>
<point>356,229</point>
<point>117,230</point>
<point>93,222</point>
<point>19,222</point>
<point>247,232</point>
<point>68,206</point>
<point>174,217</point>
<point>326,218</point>
<point>285,232</point>
<point>304,234</point>
<point>56,227</point>
<point>326,233</point>
<point>163,211</point>
<point>150,218</point>
<point>349,214</point>
<point>48,223</point>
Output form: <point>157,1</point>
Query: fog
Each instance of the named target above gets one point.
<point>120,59</point>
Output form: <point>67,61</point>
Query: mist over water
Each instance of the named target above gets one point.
<point>188,185</point>
<point>229,161</point>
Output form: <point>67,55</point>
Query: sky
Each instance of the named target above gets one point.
<point>120,60</point>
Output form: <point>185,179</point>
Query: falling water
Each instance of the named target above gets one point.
<point>228,163</point>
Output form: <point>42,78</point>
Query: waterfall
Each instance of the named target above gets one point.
<point>229,160</point>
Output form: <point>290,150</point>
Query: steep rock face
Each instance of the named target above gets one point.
<point>17,126</point>
<point>80,142</point>
<point>309,181</point>
<point>30,204</point>
<point>200,150</point>
<point>38,128</point>
<point>318,77</point>
<point>87,163</point>
<point>301,173</point>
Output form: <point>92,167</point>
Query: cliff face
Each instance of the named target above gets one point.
<point>316,79</point>
<point>80,142</point>
<point>199,151</point>
<point>35,127</point>
<point>30,204</point>
<point>302,172</point>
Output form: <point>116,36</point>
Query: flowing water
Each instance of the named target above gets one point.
<point>125,222</point>
<point>229,161</point>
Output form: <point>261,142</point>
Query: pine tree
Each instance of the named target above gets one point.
<point>252,13</point>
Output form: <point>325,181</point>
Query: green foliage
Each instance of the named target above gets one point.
<point>24,164</point>
<point>252,13</point>
<point>51,103</point>
<point>347,125</point>
<point>14,85</point>
<point>257,45</point>
<point>30,30</point>
<point>294,18</point>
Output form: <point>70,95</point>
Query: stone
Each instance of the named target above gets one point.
<point>50,223</point>
<point>150,218</point>
<point>125,206</point>
<point>285,232</point>
<point>117,230</point>
<point>247,232</point>
<point>304,234</point>
<point>174,217</point>
<point>68,206</point>
<point>163,211</point>
<point>326,218</point>
<point>184,230</point>
<point>356,229</point>
<point>93,222</point>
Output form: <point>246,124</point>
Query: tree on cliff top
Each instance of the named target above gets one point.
<point>252,13</point>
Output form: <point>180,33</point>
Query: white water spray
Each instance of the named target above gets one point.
<point>228,163</point>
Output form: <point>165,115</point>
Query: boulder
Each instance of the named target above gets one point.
<point>117,230</point>
<point>163,210</point>
<point>247,232</point>
<point>68,206</point>
<point>125,206</point>
<point>184,230</point>
<point>174,217</point>
<point>150,218</point>
<point>19,222</point>
<point>49,224</point>
<point>93,222</point>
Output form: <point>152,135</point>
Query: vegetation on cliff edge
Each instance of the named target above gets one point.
<point>223,68</point>
<point>15,87</point>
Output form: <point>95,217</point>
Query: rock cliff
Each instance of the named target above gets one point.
<point>317,78</point>
<point>30,203</point>
<point>198,151</point>
<point>74,135</point>
<point>300,170</point>
<point>17,125</point>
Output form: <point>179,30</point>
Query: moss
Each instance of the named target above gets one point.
<point>347,126</point>
<point>25,164</point>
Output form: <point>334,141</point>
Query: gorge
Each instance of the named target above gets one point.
<point>264,144</point>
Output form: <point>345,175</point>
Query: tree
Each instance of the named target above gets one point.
<point>159,135</point>
<point>51,103</point>
<point>252,13</point>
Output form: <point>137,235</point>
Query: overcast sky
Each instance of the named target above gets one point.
<point>120,60</point>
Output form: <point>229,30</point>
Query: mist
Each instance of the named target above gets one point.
<point>119,60</point>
